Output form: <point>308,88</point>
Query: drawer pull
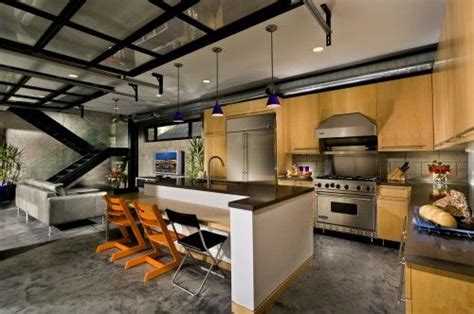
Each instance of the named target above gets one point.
<point>401,261</point>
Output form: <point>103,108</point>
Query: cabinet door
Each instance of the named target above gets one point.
<point>213,124</point>
<point>348,100</point>
<point>391,213</point>
<point>215,145</point>
<point>238,109</point>
<point>437,291</point>
<point>404,114</point>
<point>303,119</point>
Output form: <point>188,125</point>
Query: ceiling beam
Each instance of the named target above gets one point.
<point>15,88</point>
<point>54,94</point>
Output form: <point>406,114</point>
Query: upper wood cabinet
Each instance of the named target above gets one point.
<point>303,118</point>
<point>348,100</point>
<point>405,114</point>
<point>453,77</point>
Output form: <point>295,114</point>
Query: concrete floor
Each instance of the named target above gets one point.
<point>66,275</point>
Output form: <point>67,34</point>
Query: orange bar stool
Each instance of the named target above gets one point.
<point>120,215</point>
<point>159,235</point>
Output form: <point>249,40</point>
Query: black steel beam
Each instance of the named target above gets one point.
<point>67,12</point>
<point>54,56</point>
<point>184,17</point>
<point>15,88</point>
<point>150,26</point>
<point>42,89</point>
<point>26,105</point>
<point>55,94</point>
<point>38,98</point>
<point>225,31</point>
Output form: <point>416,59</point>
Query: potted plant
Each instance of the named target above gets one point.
<point>10,169</point>
<point>195,159</point>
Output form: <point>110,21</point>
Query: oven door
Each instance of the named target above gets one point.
<point>353,211</point>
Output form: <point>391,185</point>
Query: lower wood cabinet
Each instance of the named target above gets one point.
<point>431,290</point>
<point>392,208</point>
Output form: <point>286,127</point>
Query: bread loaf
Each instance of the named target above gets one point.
<point>437,216</point>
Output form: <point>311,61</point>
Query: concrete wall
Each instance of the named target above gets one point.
<point>44,156</point>
<point>146,150</point>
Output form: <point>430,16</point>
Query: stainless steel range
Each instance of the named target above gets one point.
<point>346,204</point>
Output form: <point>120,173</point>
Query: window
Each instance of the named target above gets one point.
<point>174,131</point>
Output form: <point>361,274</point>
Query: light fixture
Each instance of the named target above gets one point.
<point>206,81</point>
<point>178,116</point>
<point>217,110</point>
<point>318,49</point>
<point>73,75</point>
<point>273,101</point>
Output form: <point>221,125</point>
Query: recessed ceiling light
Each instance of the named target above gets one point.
<point>73,75</point>
<point>159,95</point>
<point>318,49</point>
<point>206,81</point>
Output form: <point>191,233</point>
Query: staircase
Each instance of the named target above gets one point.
<point>88,162</point>
<point>48,125</point>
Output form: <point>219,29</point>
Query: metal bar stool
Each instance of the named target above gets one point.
<point>159,235</point>
<point>120,215</point>
<point>200,241</point>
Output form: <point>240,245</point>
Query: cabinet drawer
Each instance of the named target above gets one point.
<point>389,191</point>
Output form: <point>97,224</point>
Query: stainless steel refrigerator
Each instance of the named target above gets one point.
<point>251,148</point>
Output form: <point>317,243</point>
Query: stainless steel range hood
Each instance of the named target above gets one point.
<point>346,125</point>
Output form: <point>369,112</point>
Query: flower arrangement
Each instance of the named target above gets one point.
<point>439,171</point>
<point>117,176</point>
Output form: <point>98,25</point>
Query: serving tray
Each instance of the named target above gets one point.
<point>425,226</point>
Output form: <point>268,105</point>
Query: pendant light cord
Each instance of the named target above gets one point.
<point>178,90</point>
<point>217,76</point>
<point>271,52</point>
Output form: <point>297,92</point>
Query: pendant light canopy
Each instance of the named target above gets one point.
<point>178,116</point>
<point>273,101</point>
<point>217,111</point>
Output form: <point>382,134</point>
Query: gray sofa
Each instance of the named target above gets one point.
<point>52,204</point>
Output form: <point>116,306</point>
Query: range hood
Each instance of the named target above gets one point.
<point>351,133</point>
<point>346,125</point>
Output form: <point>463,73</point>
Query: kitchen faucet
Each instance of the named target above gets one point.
<point>209,169</point>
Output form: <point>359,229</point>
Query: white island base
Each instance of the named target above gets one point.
<point>269,245</point>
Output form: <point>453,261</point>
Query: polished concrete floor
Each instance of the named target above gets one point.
<point>65,275</point>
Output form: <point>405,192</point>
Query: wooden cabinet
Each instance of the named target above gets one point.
<point>430,290</point>
<point>454,77</point>
<point>302,121</point>
<point>405,114</point>
<point>392,208</point>
<point>213,124</point>
<point>215,145</point>
<point>348,100</point>
<point>290,182</point>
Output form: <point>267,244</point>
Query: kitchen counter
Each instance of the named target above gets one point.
<point>254,195</point>
<point>452,254</point>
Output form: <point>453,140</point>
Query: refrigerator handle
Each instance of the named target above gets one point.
<point>246,156</point>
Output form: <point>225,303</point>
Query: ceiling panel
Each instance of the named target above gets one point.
<point>31,92</point>
<point>82,90</point>
<point>22,99</point>
<point>21,26</point>
<point>54,7</point>
<point>9,76</point>
<point>117,18</point>
<point>216,14</point>
<point>67,98</point>
<point>74,43</point>
<point>5,88</point>
<point>126,59</point>
<point>169,36</point>
<point>38,82</point>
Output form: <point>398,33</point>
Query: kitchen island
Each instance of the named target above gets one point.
<point>439,272</point>
<point>271,232</point>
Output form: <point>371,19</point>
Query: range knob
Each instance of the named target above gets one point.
<point>318,185</point>
<point>332,185</point>
<point>326,185</point>
<point>346,187</point>
<point>368,188</point>
<point>358,188</point>
<point>338,186</point>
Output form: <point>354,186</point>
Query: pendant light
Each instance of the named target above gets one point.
<point>217,111</point>
<point>273,101</point>
<point>178,116</point>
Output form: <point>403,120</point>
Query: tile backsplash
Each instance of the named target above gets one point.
<point>458,161</point>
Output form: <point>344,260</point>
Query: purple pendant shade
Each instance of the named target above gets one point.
<point>273,101</point>
<point>178,117</point>
<point>217,111</point>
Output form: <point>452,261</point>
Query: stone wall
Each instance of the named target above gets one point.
<point>43,156</point>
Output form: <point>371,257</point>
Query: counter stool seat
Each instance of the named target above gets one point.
<point>194,241</point>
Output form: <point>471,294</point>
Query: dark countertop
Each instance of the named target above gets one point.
<point>305,178</point>
<point>452,254</point>
<point>258,195</point>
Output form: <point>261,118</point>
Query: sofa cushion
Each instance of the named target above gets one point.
<point>74,191</point>
<point>57,188</point>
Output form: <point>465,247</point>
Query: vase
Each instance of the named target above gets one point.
<point>440,178</point>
